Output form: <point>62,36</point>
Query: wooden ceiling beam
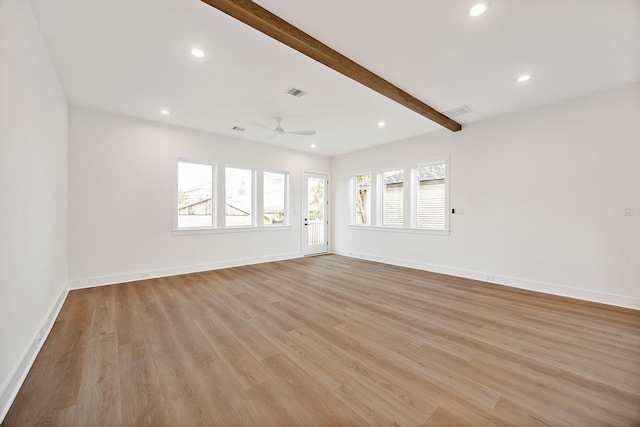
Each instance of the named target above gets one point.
<point>266,22</point>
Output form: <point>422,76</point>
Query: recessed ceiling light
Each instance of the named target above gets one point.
<point>381,124</point>
<point>523,78</point>
<point>313,146</point>
<point>165,112</point>
<point>197,53</point>
<point>478,9</point>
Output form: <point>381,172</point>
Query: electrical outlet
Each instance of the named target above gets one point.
<point>628,211</point>
<point>490,277</point>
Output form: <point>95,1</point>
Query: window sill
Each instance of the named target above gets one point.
<point>400,230</point>
<point>192,231</point>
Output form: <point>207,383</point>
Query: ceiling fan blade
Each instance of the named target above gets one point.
<point>301,132</point>
<point>264,127</point>
<point>274,132</point>
<point>279,131</point>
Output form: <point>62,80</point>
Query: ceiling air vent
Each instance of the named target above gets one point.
<point>455,112</point>
<point>239,128</point>
<point>298,93</point>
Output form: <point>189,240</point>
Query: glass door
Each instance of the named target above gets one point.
<point>315,220</point>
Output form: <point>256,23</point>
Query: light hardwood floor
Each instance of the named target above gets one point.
<point>327,341</point>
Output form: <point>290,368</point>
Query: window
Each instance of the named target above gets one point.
<point>217,197</point>
<point>238,186</point>
<point>363,199</point>
<point>195,195</point>
<point>392,197</point>
<point>411,197</point>
<point>431,202</point>
<point>275,187</point>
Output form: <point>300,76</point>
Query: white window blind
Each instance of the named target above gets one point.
<point>392,197</point>
<point>431,200</point>
<point>431,204</point>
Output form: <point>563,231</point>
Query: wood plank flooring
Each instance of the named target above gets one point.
<point>327,341</point>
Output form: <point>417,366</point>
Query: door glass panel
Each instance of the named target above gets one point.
<point>315,214</point>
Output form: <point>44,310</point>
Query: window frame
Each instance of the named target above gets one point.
<point>409,195</point>
<point>354,194</point>
<point>176,205</point>
<point>253,180</point>
<point>218,199</point>
<point>381,192</point>
<point>287,179</point>
<point>415,206</point>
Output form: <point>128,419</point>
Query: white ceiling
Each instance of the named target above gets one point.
<point>133,57</point>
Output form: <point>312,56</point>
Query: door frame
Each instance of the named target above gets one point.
<point>323,248</point>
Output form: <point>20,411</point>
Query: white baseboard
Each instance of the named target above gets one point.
<point>174,271</point>
<point>10,389</point>
<point>581,294</point>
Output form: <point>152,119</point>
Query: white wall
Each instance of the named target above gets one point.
<point>543,192</point>
<point>33,194</point>
<point>122,174</point>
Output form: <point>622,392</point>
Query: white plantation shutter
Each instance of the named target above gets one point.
<point>431,204</point>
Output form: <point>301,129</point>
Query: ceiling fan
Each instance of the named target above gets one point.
<point>279,131</point>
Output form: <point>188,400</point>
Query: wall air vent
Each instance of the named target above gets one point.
<point>297,92</point>
<point>239,128</point>
<point>455,112</point>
